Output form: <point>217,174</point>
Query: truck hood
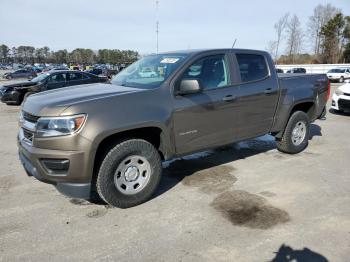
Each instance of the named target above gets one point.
<point>54,102</point>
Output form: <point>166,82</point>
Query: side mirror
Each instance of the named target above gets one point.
<point>189,86</point>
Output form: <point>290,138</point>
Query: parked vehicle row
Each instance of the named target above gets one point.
<point>16,93</point>
<point>296,70</point>
<point>110,140</point>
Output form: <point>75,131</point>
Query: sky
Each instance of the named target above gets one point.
<point>131,24</point>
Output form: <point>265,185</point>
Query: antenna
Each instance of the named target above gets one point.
<point>157,25</point>
<point>234,43</point>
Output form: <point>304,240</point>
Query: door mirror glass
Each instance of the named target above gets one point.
<point>189,86</point>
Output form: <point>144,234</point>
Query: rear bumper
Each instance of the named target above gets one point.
<point>65,182</point>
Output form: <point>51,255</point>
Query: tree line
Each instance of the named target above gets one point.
<point>31,55</point>
<point>324,39</point>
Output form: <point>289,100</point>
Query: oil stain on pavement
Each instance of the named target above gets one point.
<point>245,209</point>
<point>211,175</point>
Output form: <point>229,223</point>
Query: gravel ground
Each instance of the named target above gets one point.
<point>245,202</point>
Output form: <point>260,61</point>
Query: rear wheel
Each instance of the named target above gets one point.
<point>129,174</point>
<point>296,134</point>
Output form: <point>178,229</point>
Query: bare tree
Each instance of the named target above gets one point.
<point>321,15</point>
<point>294,39</point>
<point>280,26</point>
<point>271,48</point>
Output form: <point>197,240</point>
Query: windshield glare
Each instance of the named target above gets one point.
<point>40,77</point>
<point>150,71</point>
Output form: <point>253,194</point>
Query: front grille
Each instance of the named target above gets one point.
<point>343,104</point>
<point>28,135</point>
<point>30,118</point>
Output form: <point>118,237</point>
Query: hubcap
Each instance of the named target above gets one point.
<point>299,133</point>
<point>132,174</point>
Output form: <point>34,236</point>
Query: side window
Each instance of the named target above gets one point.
<point>212,72</point>
<point>85,76</point>
<point>252,67</point>
<point>57,78</point>
<point>75,76</point>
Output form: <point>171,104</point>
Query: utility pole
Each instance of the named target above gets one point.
<point>157,25</point>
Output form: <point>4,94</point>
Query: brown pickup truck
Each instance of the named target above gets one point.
<point>111,139</point>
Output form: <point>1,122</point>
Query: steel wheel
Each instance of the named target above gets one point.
<point>298,133</point>
<point>132,175</point>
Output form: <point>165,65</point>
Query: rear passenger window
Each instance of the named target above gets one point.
<point>75,76</point>
<point>252,67</point>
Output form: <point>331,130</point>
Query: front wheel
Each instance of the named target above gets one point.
<point>296,135</point>
<point>129,174</point>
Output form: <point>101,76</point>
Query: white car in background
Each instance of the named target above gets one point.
<point>339,74</point>
<point>341,98</point>
<point>147,72</point>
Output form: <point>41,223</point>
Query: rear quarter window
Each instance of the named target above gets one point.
<point>252,67</point>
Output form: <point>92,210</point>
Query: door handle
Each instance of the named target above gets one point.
<point>229,98</point>
<point>268,91</point>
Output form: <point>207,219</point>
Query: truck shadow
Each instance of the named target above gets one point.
<point>207,169</point>
<point>315,130</point>
<point>211,163</point>
<point>287,253</point>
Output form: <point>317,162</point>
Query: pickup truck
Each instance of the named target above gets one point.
<point>110,140</point>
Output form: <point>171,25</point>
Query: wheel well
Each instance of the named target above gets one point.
<point>306,107</point>
<point>150,134</point>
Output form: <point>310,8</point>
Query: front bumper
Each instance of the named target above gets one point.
<point>10,97</point>
<point>341,102</point>
<point>69,182</point>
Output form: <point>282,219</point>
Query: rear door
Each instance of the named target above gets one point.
<point>206,119</point>
<point>258,95</point>
<point>75,78</point>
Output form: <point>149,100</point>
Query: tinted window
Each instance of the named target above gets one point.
<point>85,76</point>
<point>75,76</point>
<point>212,72</point>
<point>252,67</point>
<point>57,78</point>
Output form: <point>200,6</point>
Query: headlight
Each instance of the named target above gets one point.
<point>59,126</point>
<point>338,92</point>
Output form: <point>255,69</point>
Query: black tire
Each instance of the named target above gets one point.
<point>341,80</point>
<point>285,144</point>
<point>8,77</point>
<point>105,184</point>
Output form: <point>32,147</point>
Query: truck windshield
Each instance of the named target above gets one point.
<point>150,71</point>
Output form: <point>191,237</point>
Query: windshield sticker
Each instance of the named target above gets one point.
<point>169,60</point>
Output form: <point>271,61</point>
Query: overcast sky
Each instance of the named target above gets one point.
<point>130,24</point>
